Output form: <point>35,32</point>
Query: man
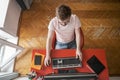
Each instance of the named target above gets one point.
<point>67,29</point>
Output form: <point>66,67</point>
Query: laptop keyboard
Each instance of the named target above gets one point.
<point>66,63</point>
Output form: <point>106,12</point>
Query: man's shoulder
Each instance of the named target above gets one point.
<point>54,19</point>
<point>74,16</point>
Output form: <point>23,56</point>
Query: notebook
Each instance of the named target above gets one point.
<point>95,64</point>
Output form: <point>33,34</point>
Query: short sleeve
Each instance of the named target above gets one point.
<point>77,22</point>
<point>51,25</point>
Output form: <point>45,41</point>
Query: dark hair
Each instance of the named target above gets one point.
<point>63,12</point>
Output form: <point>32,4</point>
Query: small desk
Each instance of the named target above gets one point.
<point>87,54</point>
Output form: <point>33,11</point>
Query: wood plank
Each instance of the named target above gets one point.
<point>82,4</point>
<point>98,14</point>
<point>86,6</point>
<point>92,22</point>
<point>95,6</point>
<point>76,1</point>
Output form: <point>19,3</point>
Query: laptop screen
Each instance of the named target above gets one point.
<point>38,60</point>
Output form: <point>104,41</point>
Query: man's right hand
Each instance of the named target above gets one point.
<point>47,61</point>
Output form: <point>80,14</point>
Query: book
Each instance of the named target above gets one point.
<point>95,64</point>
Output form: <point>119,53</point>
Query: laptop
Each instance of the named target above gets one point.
<point>71,62</point>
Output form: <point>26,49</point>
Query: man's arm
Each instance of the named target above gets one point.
<point>49,42</point>
<point>78,49</point>
<point>48,47</point>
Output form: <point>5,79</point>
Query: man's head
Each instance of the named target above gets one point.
<point>63,12</point>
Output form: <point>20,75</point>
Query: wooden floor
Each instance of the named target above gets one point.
<point>100,24</point>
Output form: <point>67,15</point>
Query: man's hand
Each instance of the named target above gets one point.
<point>47,61</point>
<point>79,54</point>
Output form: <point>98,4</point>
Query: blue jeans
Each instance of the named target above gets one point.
<point>70,45</point>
